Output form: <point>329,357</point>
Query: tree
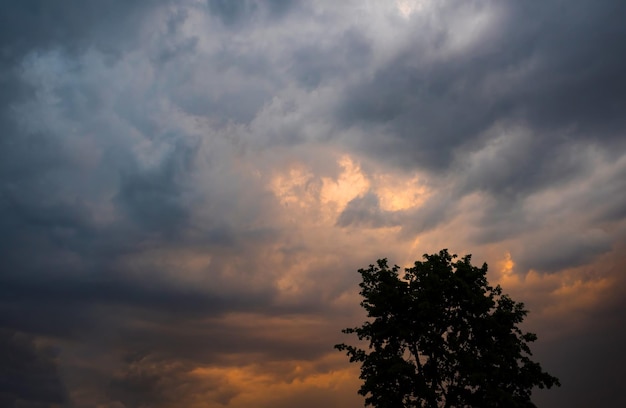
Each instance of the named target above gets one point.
<point>440,336</point>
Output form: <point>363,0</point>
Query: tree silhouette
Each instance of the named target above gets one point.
<point>440,336</point>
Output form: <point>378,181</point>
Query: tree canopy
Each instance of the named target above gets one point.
<point>440,336</point>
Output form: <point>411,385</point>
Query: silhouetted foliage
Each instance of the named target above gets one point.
<point>440,336</point>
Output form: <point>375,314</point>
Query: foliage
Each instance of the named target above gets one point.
<point>440,336</point>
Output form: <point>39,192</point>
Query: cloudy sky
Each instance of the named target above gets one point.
<point>187,188</point>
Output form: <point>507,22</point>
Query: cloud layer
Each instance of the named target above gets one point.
<point>187,188</point>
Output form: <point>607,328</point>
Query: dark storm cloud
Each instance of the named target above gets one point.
<point>136,165</point>
<point>590,359</point>
<point>593,378</point>
<point>60,302</point>
<point>61,268</point>
<point>232,11</point>
<point>579,80</point>
<point>314,64</point>
<point>159,298</point>
<point>155,198</point>
<point>513,114</point>
<point>145,381</point>
<point>28,375</point>
<point>516,163</point>
<point>554,252</point>
<point>35,167</point>
<point>236,12</point>
<point>74,24</point>
<point>551,66</point>
<point>66,272</point>
<point>210,340</point>
<point>365,211</point>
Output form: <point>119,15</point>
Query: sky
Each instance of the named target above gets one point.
<point>187,188</point>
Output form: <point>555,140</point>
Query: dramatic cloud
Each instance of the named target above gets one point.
<point>29,375</point>
<point>188,187</point>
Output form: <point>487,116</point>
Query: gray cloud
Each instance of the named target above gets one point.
<point>554,252</point>
<point>146,381</point>
<point>365,211</point>
<point>243,11</point>
<point>559,72</point>
<point>29,376</point>
<point>141,144</point>
<point>74,25</point>
<point>589,360</point>
<point>154,198</point>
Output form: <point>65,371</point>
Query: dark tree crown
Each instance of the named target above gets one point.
<point>440,336</point>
